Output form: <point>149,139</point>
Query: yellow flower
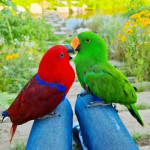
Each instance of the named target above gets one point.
<point>34,42</point>
<point>122,38</point>
<point>119,35</point>
<point>136,15</point>
<point>15,55</point>
<point>129,31</point>
<point>148,15</point>
<point>13,13</point>
<point>8,57</point>
<point>145,43</point>
<point>133,25</point>
<point>144,21</point>
<point>144,12</point>
<point>31,50</point>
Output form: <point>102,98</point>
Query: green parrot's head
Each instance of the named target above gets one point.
<point>90,45</point>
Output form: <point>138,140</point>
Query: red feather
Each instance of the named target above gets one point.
<point>12,131</point>
<point>36,100</point>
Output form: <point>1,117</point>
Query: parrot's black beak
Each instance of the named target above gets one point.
<point>70,50</point>
<point>78,48</point>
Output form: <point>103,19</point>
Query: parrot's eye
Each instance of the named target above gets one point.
<point>61,55</point>
<point>87,40</point>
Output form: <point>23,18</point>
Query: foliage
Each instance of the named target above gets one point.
<point>7,3</point>
<point>6,99</point>
<point>15,26</point>
<point>141,106</point>
<point>19,146</point>
<point>137,136</point>
<point>17,65</point>
<point>108,28</point>
<point>127,41</point>
<point>25,3</point>
<point>134,40</point>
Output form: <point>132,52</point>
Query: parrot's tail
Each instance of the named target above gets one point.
<point>134,112</point>
<point>12,131</point>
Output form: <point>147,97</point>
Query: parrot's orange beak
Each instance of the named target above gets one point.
<point>75,43</point>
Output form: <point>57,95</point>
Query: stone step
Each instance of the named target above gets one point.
<point>60,33</point>
<point>57,27</point>
<point>143,86</point>
<point>145,147</point>
<point>67,31</point>
<point>132,125</point>
<point>116,63</point>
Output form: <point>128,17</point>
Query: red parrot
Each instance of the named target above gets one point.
<point>45,90</point>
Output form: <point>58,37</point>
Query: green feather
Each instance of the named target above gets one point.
<point>133,110</point>
<point>102,78</point>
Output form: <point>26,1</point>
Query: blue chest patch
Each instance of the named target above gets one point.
<point>94,95</point>
<point>59,86</point>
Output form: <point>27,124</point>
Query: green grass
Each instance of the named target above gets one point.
<point>141,106</point>
<point>138,136</point>
<point>18,146</point>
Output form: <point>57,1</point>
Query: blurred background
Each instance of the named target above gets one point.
<point>29,27</point>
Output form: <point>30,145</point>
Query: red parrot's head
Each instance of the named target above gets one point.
<point>55,66</point>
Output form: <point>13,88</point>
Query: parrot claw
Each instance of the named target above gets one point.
<point>97,103</point>
<point>83,94</point>
<point>53,114</point>
<point>50,115</point>
<point>115,107</point>
<point>2,119</point>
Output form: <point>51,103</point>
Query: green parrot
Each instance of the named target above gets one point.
<point>98,77</point>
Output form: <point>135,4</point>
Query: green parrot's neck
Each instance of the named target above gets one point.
<point>91,57</point>
<point>86,63</point>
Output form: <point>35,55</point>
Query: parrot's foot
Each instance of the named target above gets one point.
<point>51,115</point>
<point>83,94</point>
<point>97,103</point>
<point>3,119</point>
<point>115,107</point>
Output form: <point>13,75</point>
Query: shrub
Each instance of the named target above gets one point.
<point>15,26</point>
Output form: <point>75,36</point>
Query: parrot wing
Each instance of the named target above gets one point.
<point>34,101</point>
<point>110,84</point>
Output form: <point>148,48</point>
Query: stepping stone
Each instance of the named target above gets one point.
<point>131,79</point>
<point>145,147</point>
<point>68,31</point>
<point>116,63</point>
<point>143,86</point>
<point>57,27</point>
<point>60,33</point>
<point>131,123</point>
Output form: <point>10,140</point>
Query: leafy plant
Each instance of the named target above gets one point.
<point>6,99</point>
<point>127,41</point>
<point>17,26</point>
<point>19,146</point>
<point>8,3</point>
<point>141,106</point>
